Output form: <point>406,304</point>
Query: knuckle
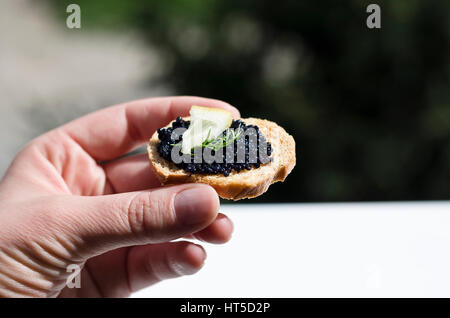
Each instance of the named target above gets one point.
<point>148,213</point>
<point>135,212</point>
<point>163,268</point>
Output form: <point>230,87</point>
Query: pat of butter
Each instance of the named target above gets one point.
<point>207,123</point>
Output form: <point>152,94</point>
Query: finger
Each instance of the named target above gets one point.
<point>114,131</point>
<point>151,264</point>
<point>218,232</point>
<point>109,271</point>
<point>131,174</point>
<point>107,222</point>
<point>118,271</point>
<point>134,174</point>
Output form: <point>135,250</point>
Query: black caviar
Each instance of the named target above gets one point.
<point>248,143</point>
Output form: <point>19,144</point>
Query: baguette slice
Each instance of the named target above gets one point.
<point>238,185</point>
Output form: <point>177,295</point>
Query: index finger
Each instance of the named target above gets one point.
<point>114,131</point>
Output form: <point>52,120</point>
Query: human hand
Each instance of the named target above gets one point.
<point>60,206</point>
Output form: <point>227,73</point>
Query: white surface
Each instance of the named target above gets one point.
<point>325,250</point>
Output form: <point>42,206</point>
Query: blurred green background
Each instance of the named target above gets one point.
<point>369,109</point>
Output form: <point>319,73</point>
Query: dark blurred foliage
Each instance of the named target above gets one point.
<point>369,109</point>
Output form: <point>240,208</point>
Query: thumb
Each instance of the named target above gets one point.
<point>103,223</point>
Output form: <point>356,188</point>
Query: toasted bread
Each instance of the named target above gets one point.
<point>238,185</point>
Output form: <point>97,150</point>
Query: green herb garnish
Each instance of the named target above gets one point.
<point>220,142</point>
<point>224,140</point>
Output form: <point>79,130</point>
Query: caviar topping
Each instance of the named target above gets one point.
<point>240,147</point>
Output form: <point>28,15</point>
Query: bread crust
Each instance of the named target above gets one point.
<point>238,185</point>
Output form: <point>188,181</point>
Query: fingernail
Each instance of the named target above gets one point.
<point>196,205</point>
